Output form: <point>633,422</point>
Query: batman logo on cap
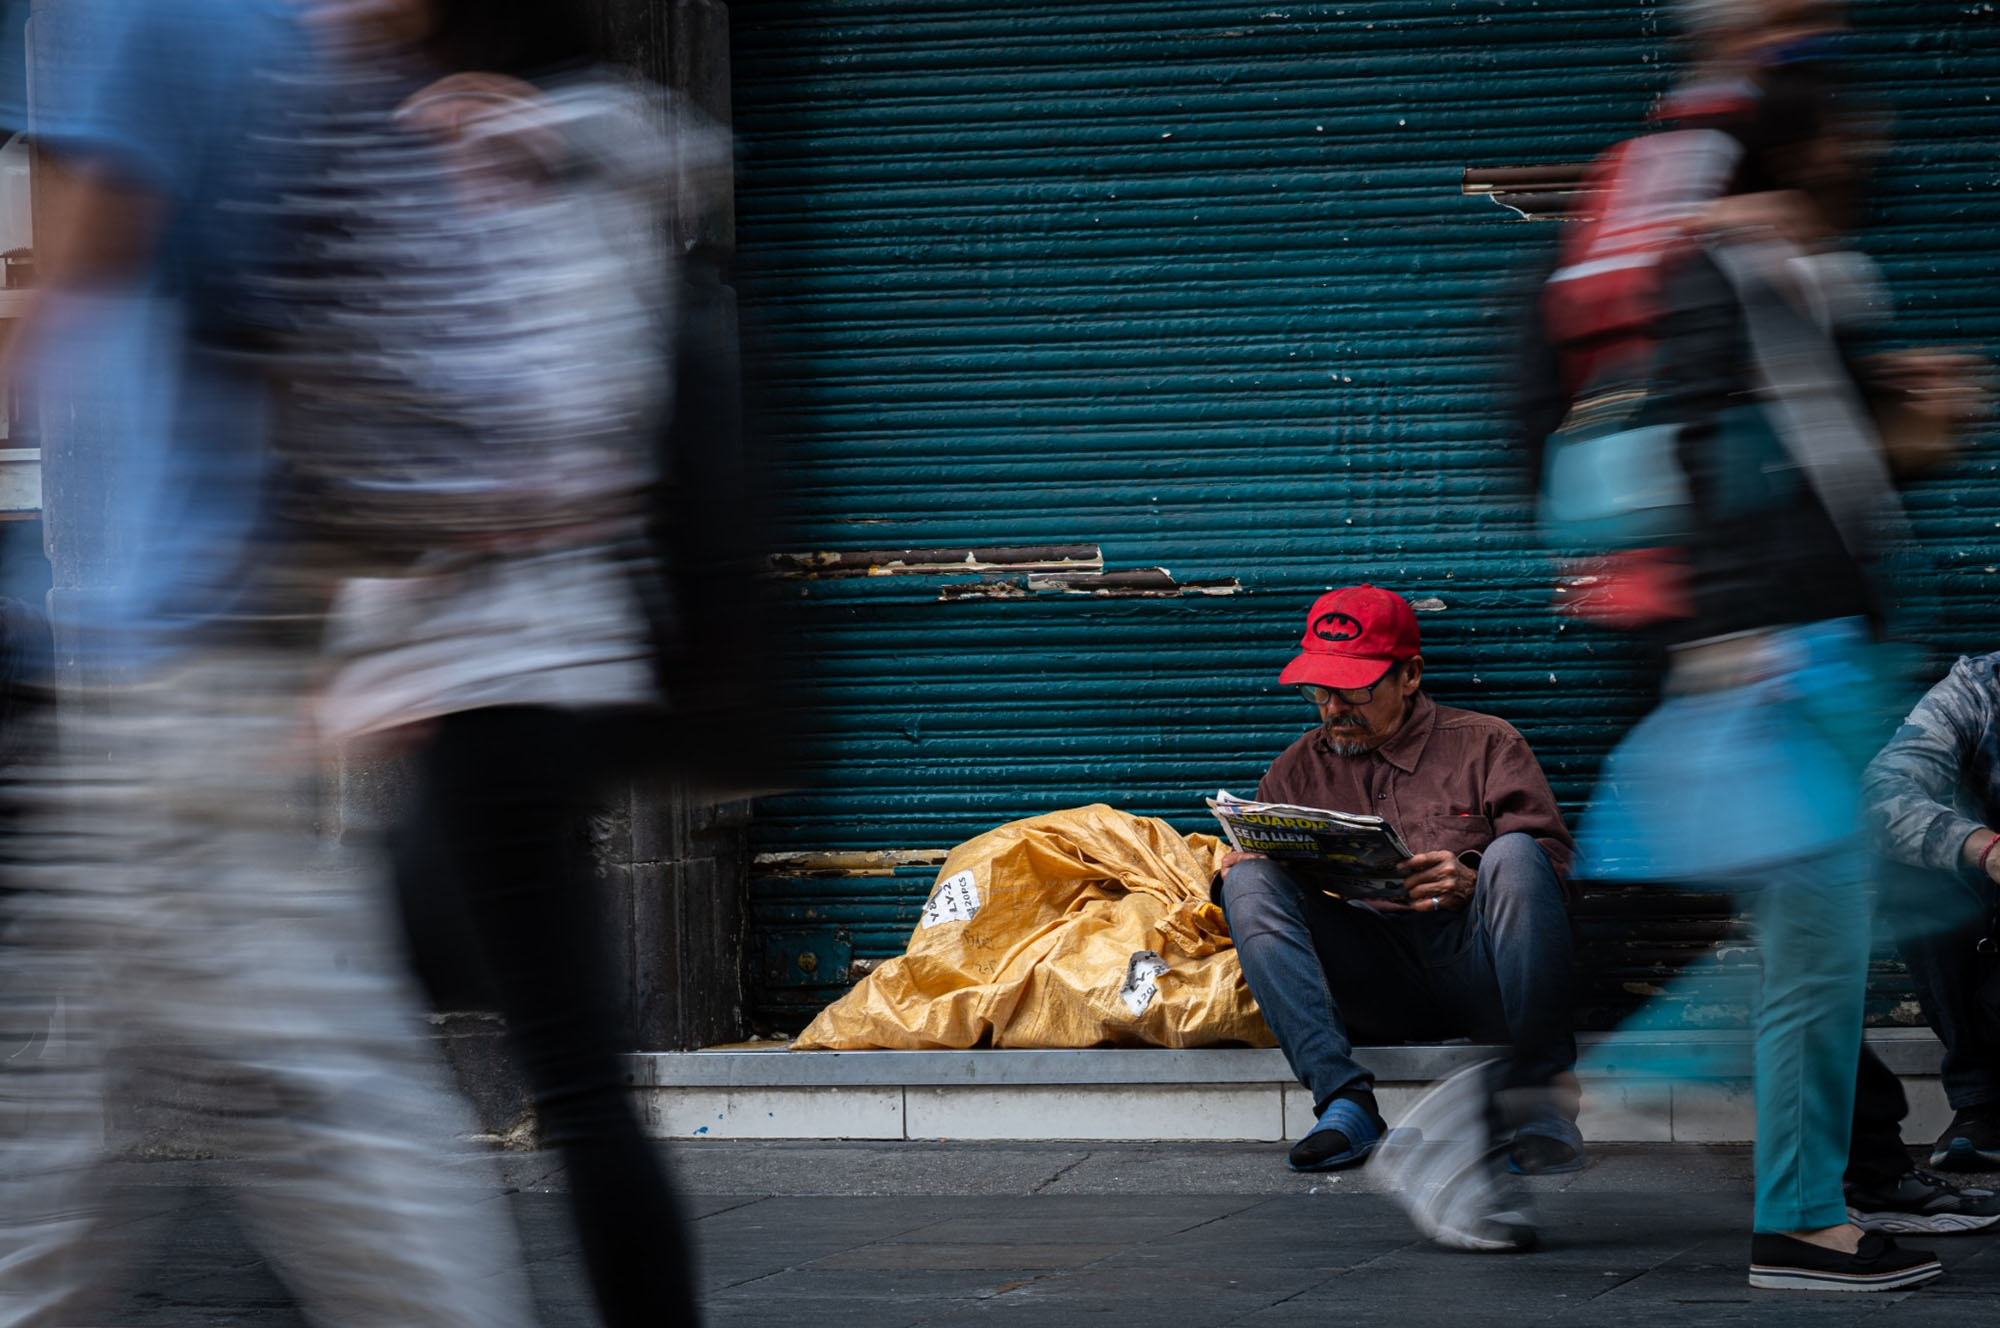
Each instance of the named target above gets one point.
<point>1336,627</point>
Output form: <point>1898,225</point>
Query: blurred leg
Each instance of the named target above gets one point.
<point>1875,1153</point>
<point>512,787</point>
<point>364,1202</point>
<point>253,964</point>
<point>52,1149</point>
<point>61,883</point>
<point>1813,928</point>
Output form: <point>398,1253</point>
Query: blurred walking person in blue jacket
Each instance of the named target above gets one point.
<point>178,948</point>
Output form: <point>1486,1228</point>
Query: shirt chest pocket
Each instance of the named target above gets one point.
<point>1458,834</point>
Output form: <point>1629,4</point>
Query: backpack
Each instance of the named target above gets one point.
<point>1611,497</point>
<point>1611,481</point>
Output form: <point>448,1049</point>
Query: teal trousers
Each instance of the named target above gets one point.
<point>1812,922</point>
<point>1812,926</point>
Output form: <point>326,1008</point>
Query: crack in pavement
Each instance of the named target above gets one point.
<point>1060,1172</point>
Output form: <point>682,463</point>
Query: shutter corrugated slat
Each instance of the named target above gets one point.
<point>1195,283</point>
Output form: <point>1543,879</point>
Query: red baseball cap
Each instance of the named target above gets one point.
<point>1352,637</point>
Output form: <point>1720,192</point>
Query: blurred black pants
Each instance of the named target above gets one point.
<point>1875,1152</point>
<point>500,823</point>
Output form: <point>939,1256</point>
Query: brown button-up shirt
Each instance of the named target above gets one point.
<point>1449,778</point>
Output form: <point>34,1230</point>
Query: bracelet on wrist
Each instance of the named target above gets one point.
<point>1987,852</point>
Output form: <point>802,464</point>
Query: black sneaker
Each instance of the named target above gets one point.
<point>1919,1203</point>
<point>1780,1263</point>
<point>1970,1143</point>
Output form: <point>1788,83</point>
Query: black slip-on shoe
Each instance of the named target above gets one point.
<point>1918,1203</point>
<point>1781,1263</point>
<point>1970,1143</point>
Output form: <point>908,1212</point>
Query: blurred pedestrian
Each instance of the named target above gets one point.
<point>214,971</point>
<point>1746,777</point>
<point>1594,338</point>
<point>513,654</point>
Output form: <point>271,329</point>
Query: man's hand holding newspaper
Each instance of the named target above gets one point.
<point>1358,858</point>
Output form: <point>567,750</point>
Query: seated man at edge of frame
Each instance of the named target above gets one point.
<point>1480,949</point>
<point>1933,801</point>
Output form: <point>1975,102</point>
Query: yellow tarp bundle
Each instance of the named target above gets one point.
<point>1082,928</point>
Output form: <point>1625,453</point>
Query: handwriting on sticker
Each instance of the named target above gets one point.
<point>1142,980</point>
<point>956,899</point>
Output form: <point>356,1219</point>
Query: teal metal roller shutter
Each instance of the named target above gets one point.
<point>1107,334</point>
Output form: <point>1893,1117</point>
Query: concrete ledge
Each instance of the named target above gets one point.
<point>1906,1051</point>
<point>762,1091</point>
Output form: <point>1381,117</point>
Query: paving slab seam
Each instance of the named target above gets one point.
<point>1056,1275</point>
<point>884,1238</point>
<point>952,1308</point>
<point>1250,1203</point>
<point>747,1200</point>
<point>1415,1242</point>
<point>1643,1273</point>
<point>1318,1286</point>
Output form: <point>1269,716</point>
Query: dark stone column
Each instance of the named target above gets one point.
<point>678,869</point>
<point>679,864</point>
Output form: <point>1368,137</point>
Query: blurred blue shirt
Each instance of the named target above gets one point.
<point>168,95</point>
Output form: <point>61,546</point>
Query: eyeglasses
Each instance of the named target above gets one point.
<point>1354,696</point>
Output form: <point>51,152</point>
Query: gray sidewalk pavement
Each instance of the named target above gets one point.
<point>935,1234</point>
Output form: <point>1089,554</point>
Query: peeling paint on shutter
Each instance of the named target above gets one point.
<point>1198,290</point>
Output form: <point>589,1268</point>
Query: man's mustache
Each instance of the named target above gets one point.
<point>1347,721</point>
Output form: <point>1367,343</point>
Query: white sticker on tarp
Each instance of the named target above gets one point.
<point>956,899</point>
<point>1142,980</point>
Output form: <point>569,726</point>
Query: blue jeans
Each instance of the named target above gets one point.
<point>1324,972</point>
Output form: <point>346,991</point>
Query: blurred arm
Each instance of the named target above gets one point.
<point>101,200</point>
<point>1924,403</point>
<point>104,228</point>
<point>1909,787</point>
<point>102,232</point>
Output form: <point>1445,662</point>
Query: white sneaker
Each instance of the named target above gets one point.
<point>1442,1166</point>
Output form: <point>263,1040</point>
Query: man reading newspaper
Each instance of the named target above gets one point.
<point>1477,942</point>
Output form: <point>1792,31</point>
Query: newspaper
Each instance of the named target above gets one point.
<point>1343,854</point>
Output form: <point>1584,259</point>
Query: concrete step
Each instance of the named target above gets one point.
<point>763,1091</point>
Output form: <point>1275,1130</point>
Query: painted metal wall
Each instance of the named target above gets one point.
<point>1102,336</point>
